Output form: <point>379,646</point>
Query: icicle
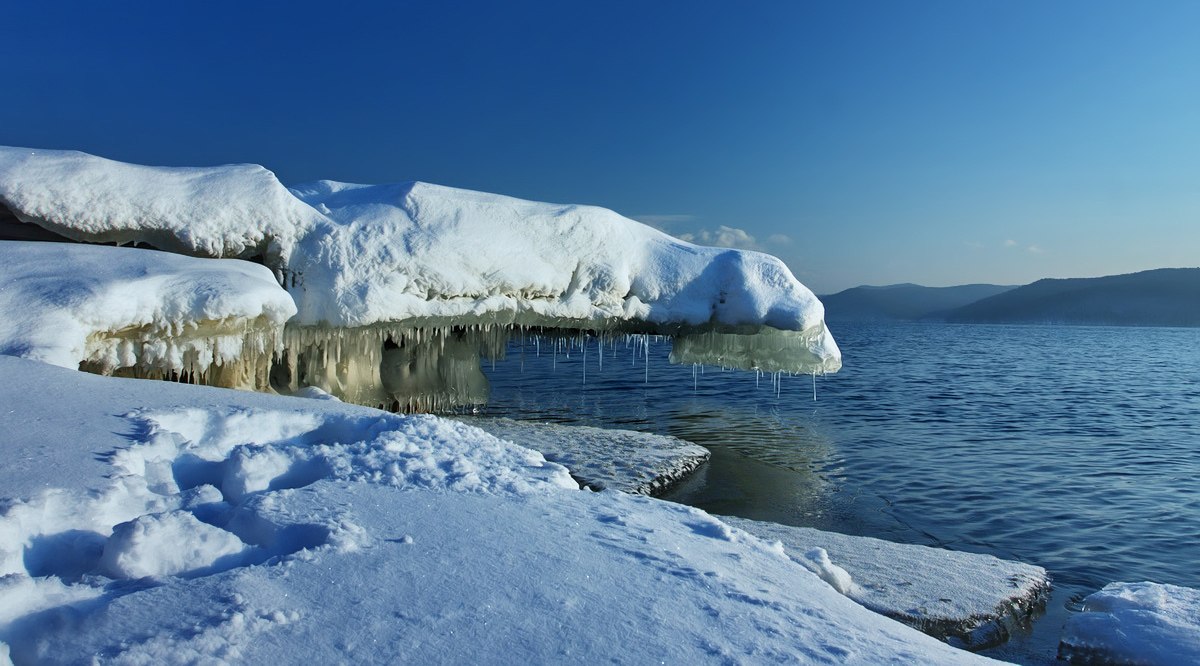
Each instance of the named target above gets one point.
<point>646,342</point>
<point>814,376</point>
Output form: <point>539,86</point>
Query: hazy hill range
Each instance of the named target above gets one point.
<point>1162,297</point>
<point>903,301</point>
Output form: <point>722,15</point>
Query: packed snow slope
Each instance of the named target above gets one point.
<point>425,255</point>
<point>114,308</point>
<point>169,523</point>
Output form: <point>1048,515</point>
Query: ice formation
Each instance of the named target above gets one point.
<point>603,458</point>
<point>1135,623</point>
<point>268,527</point>
<point>361,261</point>
<point>969,599</point>
<point>141,312</point>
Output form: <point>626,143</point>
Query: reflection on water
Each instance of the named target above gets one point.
<point>1069,447</point>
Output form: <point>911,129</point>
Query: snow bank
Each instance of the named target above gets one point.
<point>238,210</point>
<point>600,458</point>
<point>377,539</point>
<point>1135,623</point>
<point>969,599</point>
<point>153,313</point>
<point>431,256</point>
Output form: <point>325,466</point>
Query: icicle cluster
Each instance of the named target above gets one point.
<point>231,354</point>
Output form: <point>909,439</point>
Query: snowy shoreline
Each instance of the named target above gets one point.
<point>172,522</point>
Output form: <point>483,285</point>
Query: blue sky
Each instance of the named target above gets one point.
<point>864,143</point>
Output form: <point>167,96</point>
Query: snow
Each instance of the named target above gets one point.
<point>238,210</point>
<point>368,537</point>
<point>430,256</point>
<point>600,458</point>
<point>1135,623</point>
<point>970,599</point>
<point>112,308</point>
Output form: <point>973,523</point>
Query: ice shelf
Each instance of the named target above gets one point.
<point>599,458</point>
<point>968,599</point>
<point>1150,624</point>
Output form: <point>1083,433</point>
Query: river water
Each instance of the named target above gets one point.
<point>1074,448</point>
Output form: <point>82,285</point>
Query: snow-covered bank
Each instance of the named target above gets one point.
<point>286,530</point>
<point>426,256</point>
<point>969,599</point>
<point>1149,624</point>
<point>111,308</point>
<point>601,458</point>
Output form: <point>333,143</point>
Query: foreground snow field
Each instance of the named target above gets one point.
<point>163,523</point>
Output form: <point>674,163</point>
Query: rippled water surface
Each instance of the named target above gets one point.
<point>1075,448</point>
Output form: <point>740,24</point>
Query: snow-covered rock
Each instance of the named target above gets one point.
<point>969,599</point>
<point>431,256</point>
<point>602,458</point>
<point>111,308</point>
<point>386,539</point>
<point>1148,624</point>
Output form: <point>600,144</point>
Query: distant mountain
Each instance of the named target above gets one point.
<point>902,301</point>
<point>1162,297</point>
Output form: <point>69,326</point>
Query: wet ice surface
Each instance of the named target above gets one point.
<point>625,460</point>
<point>969,599</point>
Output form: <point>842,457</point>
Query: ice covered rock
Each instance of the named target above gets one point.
<point>430,256</point>
<point>148,313</point>
<point>1135,623</point>
<point>969,599</point>
<point>625,460</point>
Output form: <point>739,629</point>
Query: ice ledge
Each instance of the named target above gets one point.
<point>600,458</point>
<point>970,600</point>
<point>1135,623</point>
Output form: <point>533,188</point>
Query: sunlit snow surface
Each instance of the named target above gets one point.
<point>357,257</point>
<point>167,523</point>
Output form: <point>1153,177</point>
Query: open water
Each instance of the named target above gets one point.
<point>1074,448</point>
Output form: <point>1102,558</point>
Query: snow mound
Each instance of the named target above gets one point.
<point>111,308</point>
<point>238,210</point>
<point>430,256</point>
<point>166,544</point>
<point>600,458</point>
<point>969,599</point>
<point>1135,623</point>
<point>817,560</point>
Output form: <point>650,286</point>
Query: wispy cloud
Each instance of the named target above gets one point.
<point>1011,243</point>
<point>1035,249</point>
<point>723,237</point>
<point>974,245</point>
<point>779,239</point>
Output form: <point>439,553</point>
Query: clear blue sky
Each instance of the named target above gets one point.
<point>930,142</point>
